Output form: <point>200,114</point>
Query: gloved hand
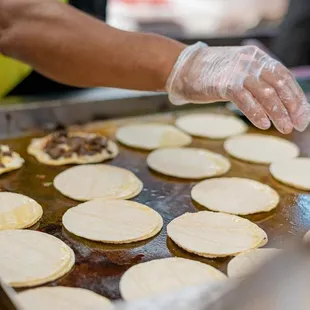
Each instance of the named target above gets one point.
<point>260,86</point>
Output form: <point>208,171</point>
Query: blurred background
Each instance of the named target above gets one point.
<point>197,18</point>
<point>280,27</point>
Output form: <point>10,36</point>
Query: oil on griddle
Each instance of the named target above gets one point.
<point>98,266</point>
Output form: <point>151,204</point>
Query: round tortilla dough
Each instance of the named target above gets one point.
<point>294,172</point>
<point>211,125</point>
<point>89,182</point>
<point>188,163</point>
<point>62,298</point>
<point>152,136</point>
<point>30,258</point>
<point>235,196</point>
<point>260,149</point>
<point>36,149</point>
<point>249,261</point>
<point>165,275</point>
<point>10,163</point>
<point>113,221</point>
<point>212,234</point>
<point>18,211</point>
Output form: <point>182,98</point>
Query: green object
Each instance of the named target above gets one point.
<point>12,72</point>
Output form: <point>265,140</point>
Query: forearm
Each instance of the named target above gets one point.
<point>74,48</point>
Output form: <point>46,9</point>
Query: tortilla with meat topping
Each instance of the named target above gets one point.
<point>62,147</point>
<point>9,160</point>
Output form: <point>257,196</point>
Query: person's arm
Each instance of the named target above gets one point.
<point>73,48</point>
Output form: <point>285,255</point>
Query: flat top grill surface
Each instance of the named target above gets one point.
<point>99,266</point>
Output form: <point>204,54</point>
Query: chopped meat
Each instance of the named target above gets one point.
<point>55,153</point>
<point>74,145</point>
<point>5,151</point>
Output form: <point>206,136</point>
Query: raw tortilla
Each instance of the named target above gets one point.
<point>62,298</point>
<point>260,149</point>
<point>212,234</point>
<point>18,211</point>
<point>235,196</point>
<point>89,182</point>
<point>36,149</point>
<point>113,221</point>
<point>162,276</point>
<point>213,126</point>
<point>188,163</point>
<point>152,136</point>
<point>30,258</point>
<point>10,163</point>
<point>249,261</point>
<point>294,172</point>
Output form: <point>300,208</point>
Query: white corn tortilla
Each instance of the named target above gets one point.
<point>249,261</point>
<point>36,149</point>
<point>62,298</point>
<point>152,136</point>
<point>18,211</point>
<point>211,125</point>
<point>235,196</point>
<point>188,163</point>
<point>87,182</point>
<point>113,221</point>
<point>11,163</point>
<point>162,276</point>
<point>30,258</point>
<point>261,149</point>
<point>293,172</point>
<point>212,234</point>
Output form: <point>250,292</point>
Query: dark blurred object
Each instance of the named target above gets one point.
<point>35,83</point>
<point>7,298</point>
<point>166,28</point>
<point>292,45</point>
<point>97,8</point>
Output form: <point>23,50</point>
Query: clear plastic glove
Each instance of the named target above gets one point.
<point>261,87</point>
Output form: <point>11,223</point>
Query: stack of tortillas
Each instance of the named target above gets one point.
<point>188,163</point>
<point>18,211</point>
<point>211,234</point>
<point>113,221</point>
<point>87,182</point>
<point>30,258</point>
<point>162,276</point>
<point>152,136</point>
<point>260,149</point>
<point>210,125</point>
<point>62,298</point>
<point>235,195</point>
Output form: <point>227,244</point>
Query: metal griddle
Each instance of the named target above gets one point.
<point>99,266</point>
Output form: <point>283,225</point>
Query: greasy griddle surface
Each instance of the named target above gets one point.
<point>98,266</point>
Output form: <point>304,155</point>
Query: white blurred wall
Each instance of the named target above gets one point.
<point>197,17</point>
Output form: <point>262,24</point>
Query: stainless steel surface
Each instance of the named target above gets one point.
<point>78,95</point>
<point>17,119</point>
